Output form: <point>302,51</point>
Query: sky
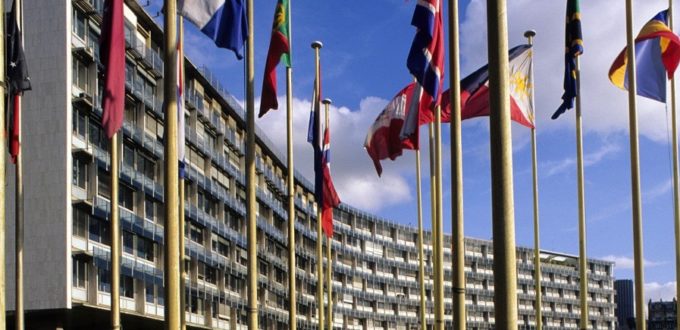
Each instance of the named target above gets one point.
<point>363,64</point>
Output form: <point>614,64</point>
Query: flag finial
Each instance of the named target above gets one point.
<point>317,44</point>
<point>529,34</point>
<point>327,101</point>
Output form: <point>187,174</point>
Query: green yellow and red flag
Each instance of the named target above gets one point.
<point>279,49</point>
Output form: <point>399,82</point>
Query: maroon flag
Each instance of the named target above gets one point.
<point>113,56</point>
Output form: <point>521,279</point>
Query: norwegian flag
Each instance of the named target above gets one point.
<point>426,57</point>
<point>330,196</point>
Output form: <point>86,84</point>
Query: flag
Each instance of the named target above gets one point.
<point>314,138</point>
<point>279,49</point>
<point>329,197</point>
<point>224,21</point>
<point>573,48</point>
<point>657,52</point>
<point>382,140</point>
<point>425,61</point>
<point>180,110</point>
<point>18,79</point>
<point>474,88</point>
<point>113,56</point>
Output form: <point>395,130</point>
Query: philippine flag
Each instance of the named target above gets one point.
<point>224,21</point>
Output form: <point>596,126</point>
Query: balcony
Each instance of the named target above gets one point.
<point>152,61</point>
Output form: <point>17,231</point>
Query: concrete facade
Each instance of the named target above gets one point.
<point>67,251</point>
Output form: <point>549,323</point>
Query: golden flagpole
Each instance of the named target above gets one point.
<point>316,45</point>
<point>676,181</point>
<point>3,178</point>
<point>433,206</point>
<point>19,205</point>
<point>172,309</point>
<point>251,198</point>
<point>421,251</point>
<point>292,295</point>
<point>114,222</point>
<point>638,261</point>
<point>583,261</point>
<point>530,34</point>
<point>182,293</point>
<point>503,214</point>
<point>439,254</point>
<point>457,226</point>
<point>329,241</point>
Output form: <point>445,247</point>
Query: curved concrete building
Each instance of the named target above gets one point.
<point>67,254</point>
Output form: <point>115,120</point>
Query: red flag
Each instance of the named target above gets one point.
<point>383,138</point>
<point>330,197</point>
<point>279,49</point>
<point>113,56</point>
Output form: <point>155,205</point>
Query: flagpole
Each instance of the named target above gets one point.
<point>172,235</point>
<point>114,222</point>
<point>421,252</point>
<point>638,262</point>
<point>3,174</point>
<point>182,293</point>
<point>292,265</point>
<point>251,198</point>
<point>530,34</point>
<point>19,203</point>
<point>458,237</point>
<point>676,181</point>
<point>439,274</point>
<point>316,45</point>
<point>433,206</point>
<point>505,265</point>
<point>583,261</point>
<point>329,241</point>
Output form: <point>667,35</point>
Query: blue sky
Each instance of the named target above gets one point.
<point>363,66</point>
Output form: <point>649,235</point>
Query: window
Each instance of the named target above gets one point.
<point>127,287</point>
<point>149,292</point>
<point>96,136</point>
<point>145,248</point>
<point>80,75</point>
<point>154,127</point>
<point>79,124</point>
<point>149,208</point>
<point>80,169</point>
<point>104,180</point>
<point>196,305</point>
<point>210,275</point>
<point>100,231</point>
<point>196,234</point>
<point>79,23</point>
<point>104,280</point>
<point>131,113</point>
<point>201,270</point>
<point>128,156</point>
<point>128,242</point>
<point>126,197</point>
<point>146,166</point>
<point>79,273</point>
<point>79,223</point>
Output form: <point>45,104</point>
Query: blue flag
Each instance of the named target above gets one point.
<point>573,47</point>
<point>224,21</point>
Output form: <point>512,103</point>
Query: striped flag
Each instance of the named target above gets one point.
<point>279,50</point>
<point>657,52</point>
<point>573,48</point>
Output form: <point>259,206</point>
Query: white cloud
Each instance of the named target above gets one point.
<point>605,107</point>
<point>656,291</point>
<point>556,167</point>
<point>353,173</point>
<point>624,262</point>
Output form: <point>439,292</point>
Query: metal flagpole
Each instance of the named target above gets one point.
<point>316,45</point>
<point>292,265</point>
<point>638,263</point>
<point>433,206</point>
<point>251,200</point>
<point>19,203</point>
<point>505,265</point>
<point>676,181</point>
<point>530,34</point>
<point>172,235</point>
<point>329,241</point>
<point>439,260</point>
<point>182,288</point>
<point>457,226</point>
<point>114,222</point>
<point>421,252</point>
<point>3,178</point>
<point>583,261</point>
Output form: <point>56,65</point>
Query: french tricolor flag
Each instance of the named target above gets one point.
<point>224,21</point>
